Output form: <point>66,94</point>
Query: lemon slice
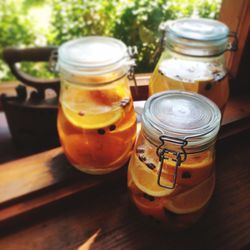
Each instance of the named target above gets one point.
<point>194,170</point>
<point>99,117</point>
<point>193,199</point>
<point>146,179</point>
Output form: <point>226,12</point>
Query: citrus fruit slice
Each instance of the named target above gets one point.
<point>109,96</point>
<point>104,97</point>
<point>90,150</point>
<point>146,179</point>
<point>192,199</point>
<point>131,185</point>
<point>150,206</point>
<point>193,171</point>
<point>94,118</point>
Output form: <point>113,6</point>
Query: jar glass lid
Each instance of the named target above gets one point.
<point>199,29</point>
<point>196,37</point>
<point>182,115</point>
<point>93,55</point>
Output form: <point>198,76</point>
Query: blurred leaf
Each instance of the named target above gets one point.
<point>146,35</point>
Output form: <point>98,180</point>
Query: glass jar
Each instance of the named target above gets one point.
<point>193,59</point>
<point>171,173</point>
<point>96,119</point>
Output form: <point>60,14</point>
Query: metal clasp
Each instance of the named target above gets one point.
<point>132,51</point>
<point>165,154</point>
<point>233,46</point>
<point>159,49</point>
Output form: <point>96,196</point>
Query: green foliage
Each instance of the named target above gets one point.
<point>75,18</point>
<point>135,22</point>
<point>27,4</point>
<point>138,25</point>
<point>16,30</point>
<point>209,8</point>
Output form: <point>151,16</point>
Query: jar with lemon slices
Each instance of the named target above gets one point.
<point>171,174</point>
<point>96,119</point>
<point>193,60</point>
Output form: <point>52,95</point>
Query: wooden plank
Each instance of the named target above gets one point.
<point>68,187</point>
<point>31,173</point>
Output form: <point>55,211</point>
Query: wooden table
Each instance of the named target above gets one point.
<point>75,211</point>
<point>107,218</point>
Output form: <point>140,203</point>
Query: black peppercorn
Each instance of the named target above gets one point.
<point>101,131</point>
<point>150,165</point>
<point>186,175</point>
<point>208,86</point>
<point>142,158</point>
<point>112,127</point>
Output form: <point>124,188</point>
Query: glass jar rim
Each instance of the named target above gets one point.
<point>200,29</point>
<point>196,36</point>
<point>93,55</point>
<point>181,115</point>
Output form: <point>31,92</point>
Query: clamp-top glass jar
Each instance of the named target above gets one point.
<point>193,59</point>
<point>171,175</point>
<point>96,119</point>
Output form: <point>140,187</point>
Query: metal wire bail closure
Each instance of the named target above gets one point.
<point>233,46</point>
<point>165,154</point>
<point>132,51</point>
<point>160,47</point>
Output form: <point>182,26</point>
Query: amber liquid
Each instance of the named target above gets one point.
<point>97,136</point>
<point>202,78</point>
<point>176,208</point>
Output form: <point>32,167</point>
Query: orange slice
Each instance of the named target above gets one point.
<point>88,108</point>
<point>104,97</point>
<point>131,185</point>
<point>153,207</point>
<point>192,199</point>
<point>109,96</point>
<point>90,150</point>
<point>146,179</point>
<point>93,118</point>
<point>148,205</point>
<point>193,171</point>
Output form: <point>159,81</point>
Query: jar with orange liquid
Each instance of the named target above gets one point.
<point>171,174</point>
<point>96,118</point>
<point>193,60</point>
